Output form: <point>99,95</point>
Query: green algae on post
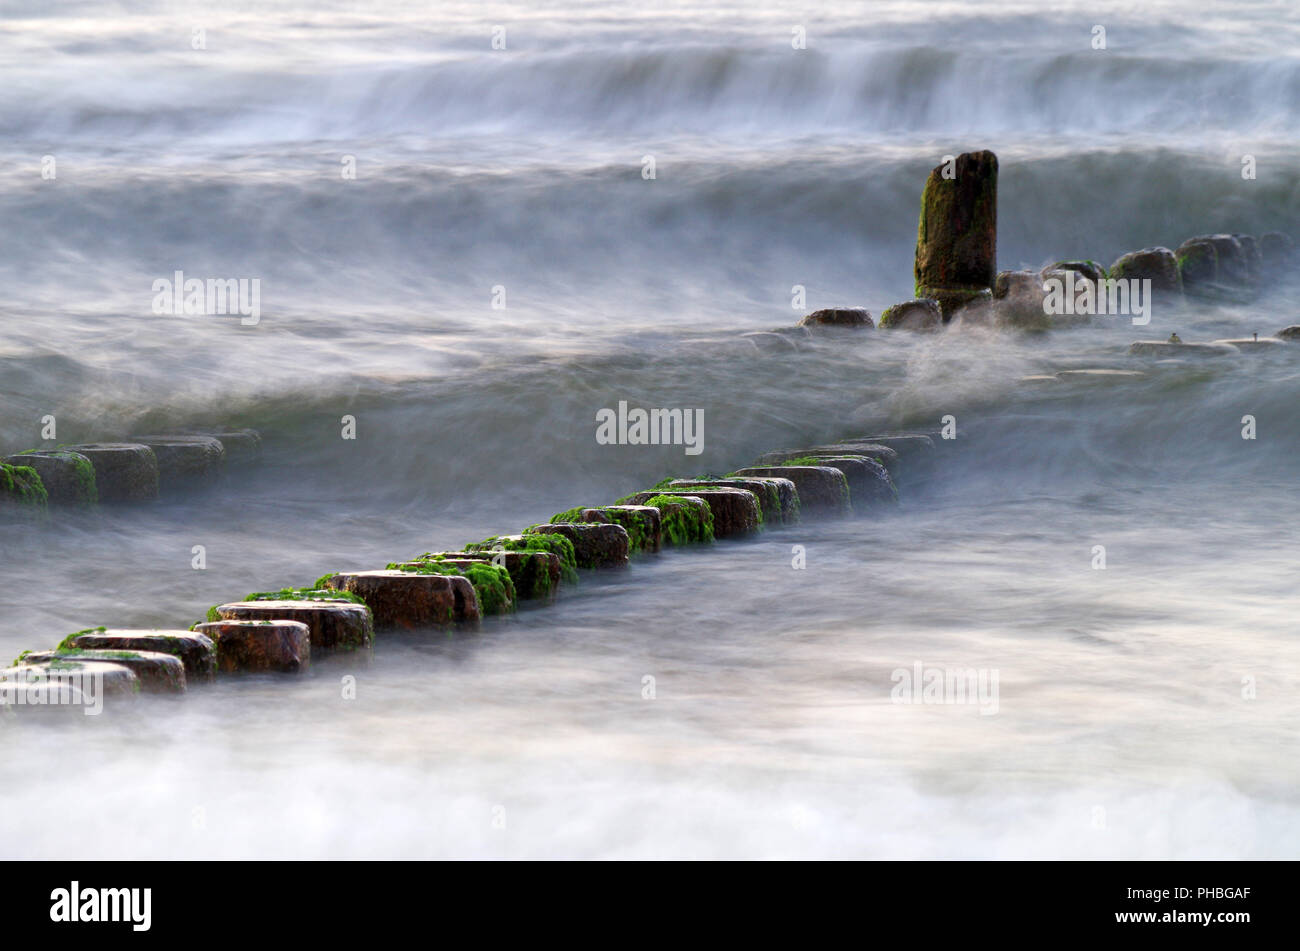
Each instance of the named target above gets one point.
<point>68,642</point>
<point>823,490</point>
<point>335,624</point>
<point>534,574</point>
<point>492,583</point>
<point>494,587</point>
<point>22,486</point>
<point>956,239</point>
<point>196,651</point>
<point>555,544</point>
<point>319,591</point>
<point>922,314</point>
<point>641,522</point>
<point>733,511</point>
<point>316,593</point>
<point>124,472</point>
<point>595,544</point>
<point>68,476</point>
<point>1158,265</point>
<point>683,520</point>
<point>157,672</point>
<point>869,482</point>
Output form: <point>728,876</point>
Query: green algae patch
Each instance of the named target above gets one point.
<point>1089,268</point>
<point>93,653</point>
<point>640,530</point>
<point>85,475</point>
<point>682,522</point>
<point>596,544</point>
<point>424,566</point>
<point>822,488</point>
<point>195,651</point>
<point>22,485</point>
<point>66,643</point>
<point>494,587</point>
<point>667,481</point>
<point>766,492</point>
<point>1198,262</point>
<point>69,478</point>
<point>957,233</point>
<point>544,541</point>
<point>304,594</point>
<point>315,593</point>
<point>492,583</point>
<point>570,515</point>
<point>534,574</point>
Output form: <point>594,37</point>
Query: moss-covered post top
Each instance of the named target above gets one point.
<point>956,241</point>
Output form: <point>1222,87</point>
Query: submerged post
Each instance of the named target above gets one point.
<point>956,241</point>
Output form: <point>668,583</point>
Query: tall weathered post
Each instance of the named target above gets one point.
<point>956,241</point>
